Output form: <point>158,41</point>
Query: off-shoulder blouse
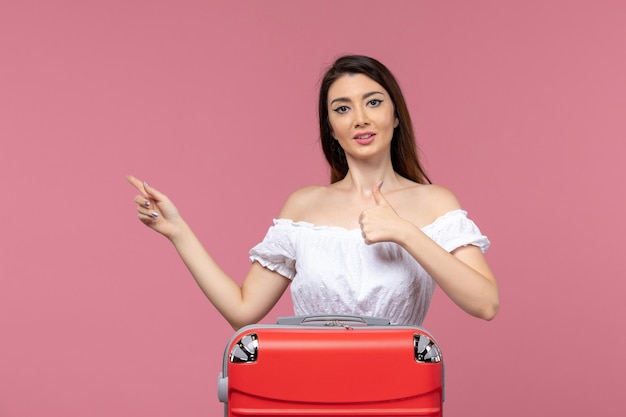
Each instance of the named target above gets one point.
<point>333,271</point>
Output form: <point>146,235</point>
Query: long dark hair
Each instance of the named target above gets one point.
<point>404,157</point>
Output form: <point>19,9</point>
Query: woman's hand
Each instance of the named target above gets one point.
<point>155,210</point>
<point>381,223</point>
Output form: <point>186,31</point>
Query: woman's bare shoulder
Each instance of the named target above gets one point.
<point>302,200</point>
<point>426,202</point>
<point>438,196</point>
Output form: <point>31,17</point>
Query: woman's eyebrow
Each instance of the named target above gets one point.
<point>347,100</point>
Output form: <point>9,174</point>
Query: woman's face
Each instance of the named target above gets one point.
<point>361,115</point>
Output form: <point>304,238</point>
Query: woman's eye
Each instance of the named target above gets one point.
<point>374,102</point>
<point>341,109</point>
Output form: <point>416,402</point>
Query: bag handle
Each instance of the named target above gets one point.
<point>332,320</point>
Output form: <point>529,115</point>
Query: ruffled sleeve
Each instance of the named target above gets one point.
<point>454,230</point>
<point>277,250</point>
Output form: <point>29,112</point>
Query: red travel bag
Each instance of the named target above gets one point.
<point>332,366</point>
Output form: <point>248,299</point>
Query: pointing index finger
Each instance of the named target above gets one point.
<point>137,184</point>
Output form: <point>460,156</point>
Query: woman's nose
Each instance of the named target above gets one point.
<point>360,117</point>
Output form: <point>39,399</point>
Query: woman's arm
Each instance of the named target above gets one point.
<point>463,274</point>
<point>240,305</point>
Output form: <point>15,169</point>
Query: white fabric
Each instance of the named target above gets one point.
<point>335,272</point>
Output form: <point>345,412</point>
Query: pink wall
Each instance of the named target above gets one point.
<point>519,106</point>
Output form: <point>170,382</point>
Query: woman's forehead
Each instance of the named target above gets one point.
<point>353,86</point>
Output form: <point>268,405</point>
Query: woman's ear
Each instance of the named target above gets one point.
<point>396,123</point>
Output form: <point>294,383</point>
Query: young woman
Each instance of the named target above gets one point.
<point>374,242</point>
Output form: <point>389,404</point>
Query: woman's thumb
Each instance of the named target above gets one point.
<point>152,192</point>
<point>378,195</point>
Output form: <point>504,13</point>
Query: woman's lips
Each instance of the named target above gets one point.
<point>364,138</point>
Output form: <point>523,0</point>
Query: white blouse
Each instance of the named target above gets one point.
<point>333,271</point>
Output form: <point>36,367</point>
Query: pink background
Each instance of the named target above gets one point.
<point>520,108</point>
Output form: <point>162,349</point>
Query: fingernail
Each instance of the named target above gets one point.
<point>154,214</point>
<point>381,184</point>
<point>146,203</point>
<point>146,183</point>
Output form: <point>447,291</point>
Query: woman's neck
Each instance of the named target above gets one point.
<point>362,181</point>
